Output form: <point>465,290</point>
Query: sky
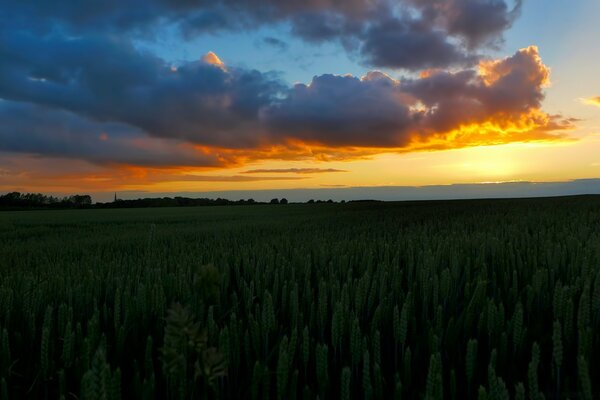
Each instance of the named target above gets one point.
<point>203,96</point>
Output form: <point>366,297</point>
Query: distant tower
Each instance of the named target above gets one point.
<point>115,198</point>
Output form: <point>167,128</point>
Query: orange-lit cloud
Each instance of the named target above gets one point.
<point>211,58</point>
<point>535,71</point>
<point>592,101</point>
<point>535,126</point>
<point>29,173</point>
<point>206,105</point>
<point>95,104</point>
<point>499,103</point>
<point>204,117</point>
<point>293,170</point>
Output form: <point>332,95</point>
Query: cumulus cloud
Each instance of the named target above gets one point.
<point>75,85</point>
<point>103,100</point>
<point>505,90</point>
<point>343,110</point>
<point>76,89</point>
<point>502,98</point>
<point>109,80</point>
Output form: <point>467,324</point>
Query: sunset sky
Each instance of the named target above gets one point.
<point>197,96</point>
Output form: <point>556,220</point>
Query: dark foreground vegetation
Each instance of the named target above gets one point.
<point>492,299</point>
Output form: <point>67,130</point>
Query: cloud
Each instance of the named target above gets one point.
<point>592,101</point>
<point>410,44</point>
<point>211,58</point>
<point>230,178</point>
<point>25,172</point>
<point>385,31</point>
<point>107,79</point>
<point>193,16</point>
<point>102,100</point>
<point>294,171</point>
<point>477,22</point>
<point>501,101</point>
<point>39,130</point>
<point>75,84</point>
<point>505,90</point>
<point>276,43</point>
<point>342,110</point>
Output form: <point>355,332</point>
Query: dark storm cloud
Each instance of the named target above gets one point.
<point>323,26</point>
<point>38,130</point>
<point>476,21</point>
<point>410,34</point>
<point>343,110</point>
<point>200,15</point>
<point>386,39</point>
<point>410,44</point>
<point>108,80</point>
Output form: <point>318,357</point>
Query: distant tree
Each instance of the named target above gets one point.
<point>80,200</point>
<point>26,200</point>
<point>330,201</point>
<point>274,201</point>
<point>13,196</point>
<point>311,201</point>
<point>11,199</point>
<point>283,201</point>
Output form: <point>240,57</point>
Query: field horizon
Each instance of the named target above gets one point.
<point>456,299</point>
<point>466,191</point>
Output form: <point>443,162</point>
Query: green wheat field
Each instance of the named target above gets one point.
<point>488,299</point>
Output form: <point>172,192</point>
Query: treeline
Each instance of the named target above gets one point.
<point>174,202</point>
<point>191,202</point>
<point>16,200</point>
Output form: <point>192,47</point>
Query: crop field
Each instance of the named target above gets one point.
<point>489,299</point>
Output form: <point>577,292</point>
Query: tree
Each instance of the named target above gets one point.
<point>80,200</point>
<point>283,201</point>
<point>274,201</point>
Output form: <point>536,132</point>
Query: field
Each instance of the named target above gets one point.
<point>490,299</point>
